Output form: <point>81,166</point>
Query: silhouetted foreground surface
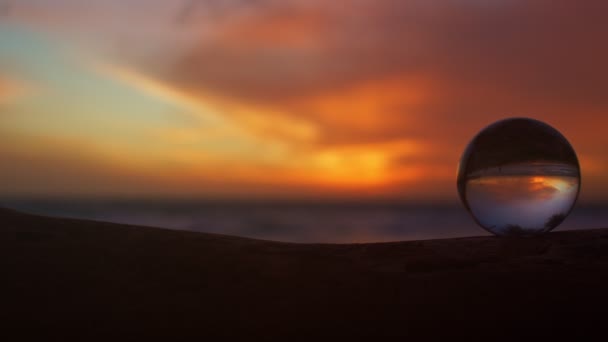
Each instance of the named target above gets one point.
<point>86,280</point>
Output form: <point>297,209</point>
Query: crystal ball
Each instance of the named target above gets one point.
<point>519,177</point>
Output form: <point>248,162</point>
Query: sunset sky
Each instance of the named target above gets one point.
<point>288,99</point>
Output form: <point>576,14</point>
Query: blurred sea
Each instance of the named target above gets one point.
<point>294,221</point>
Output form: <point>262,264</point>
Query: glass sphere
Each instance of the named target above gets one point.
<point>519,177</point>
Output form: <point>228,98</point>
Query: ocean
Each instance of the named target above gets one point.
<point>300,222</point>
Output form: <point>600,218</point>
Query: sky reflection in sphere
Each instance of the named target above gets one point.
<point>519,177</point>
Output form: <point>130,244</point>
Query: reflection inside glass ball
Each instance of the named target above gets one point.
<point>519,177</point>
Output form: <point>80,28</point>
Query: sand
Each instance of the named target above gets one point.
<point>91,280</point>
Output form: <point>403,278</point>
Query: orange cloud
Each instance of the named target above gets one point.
<point>376,110</point>
<point>11,89</point>
<point>282,30</point>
